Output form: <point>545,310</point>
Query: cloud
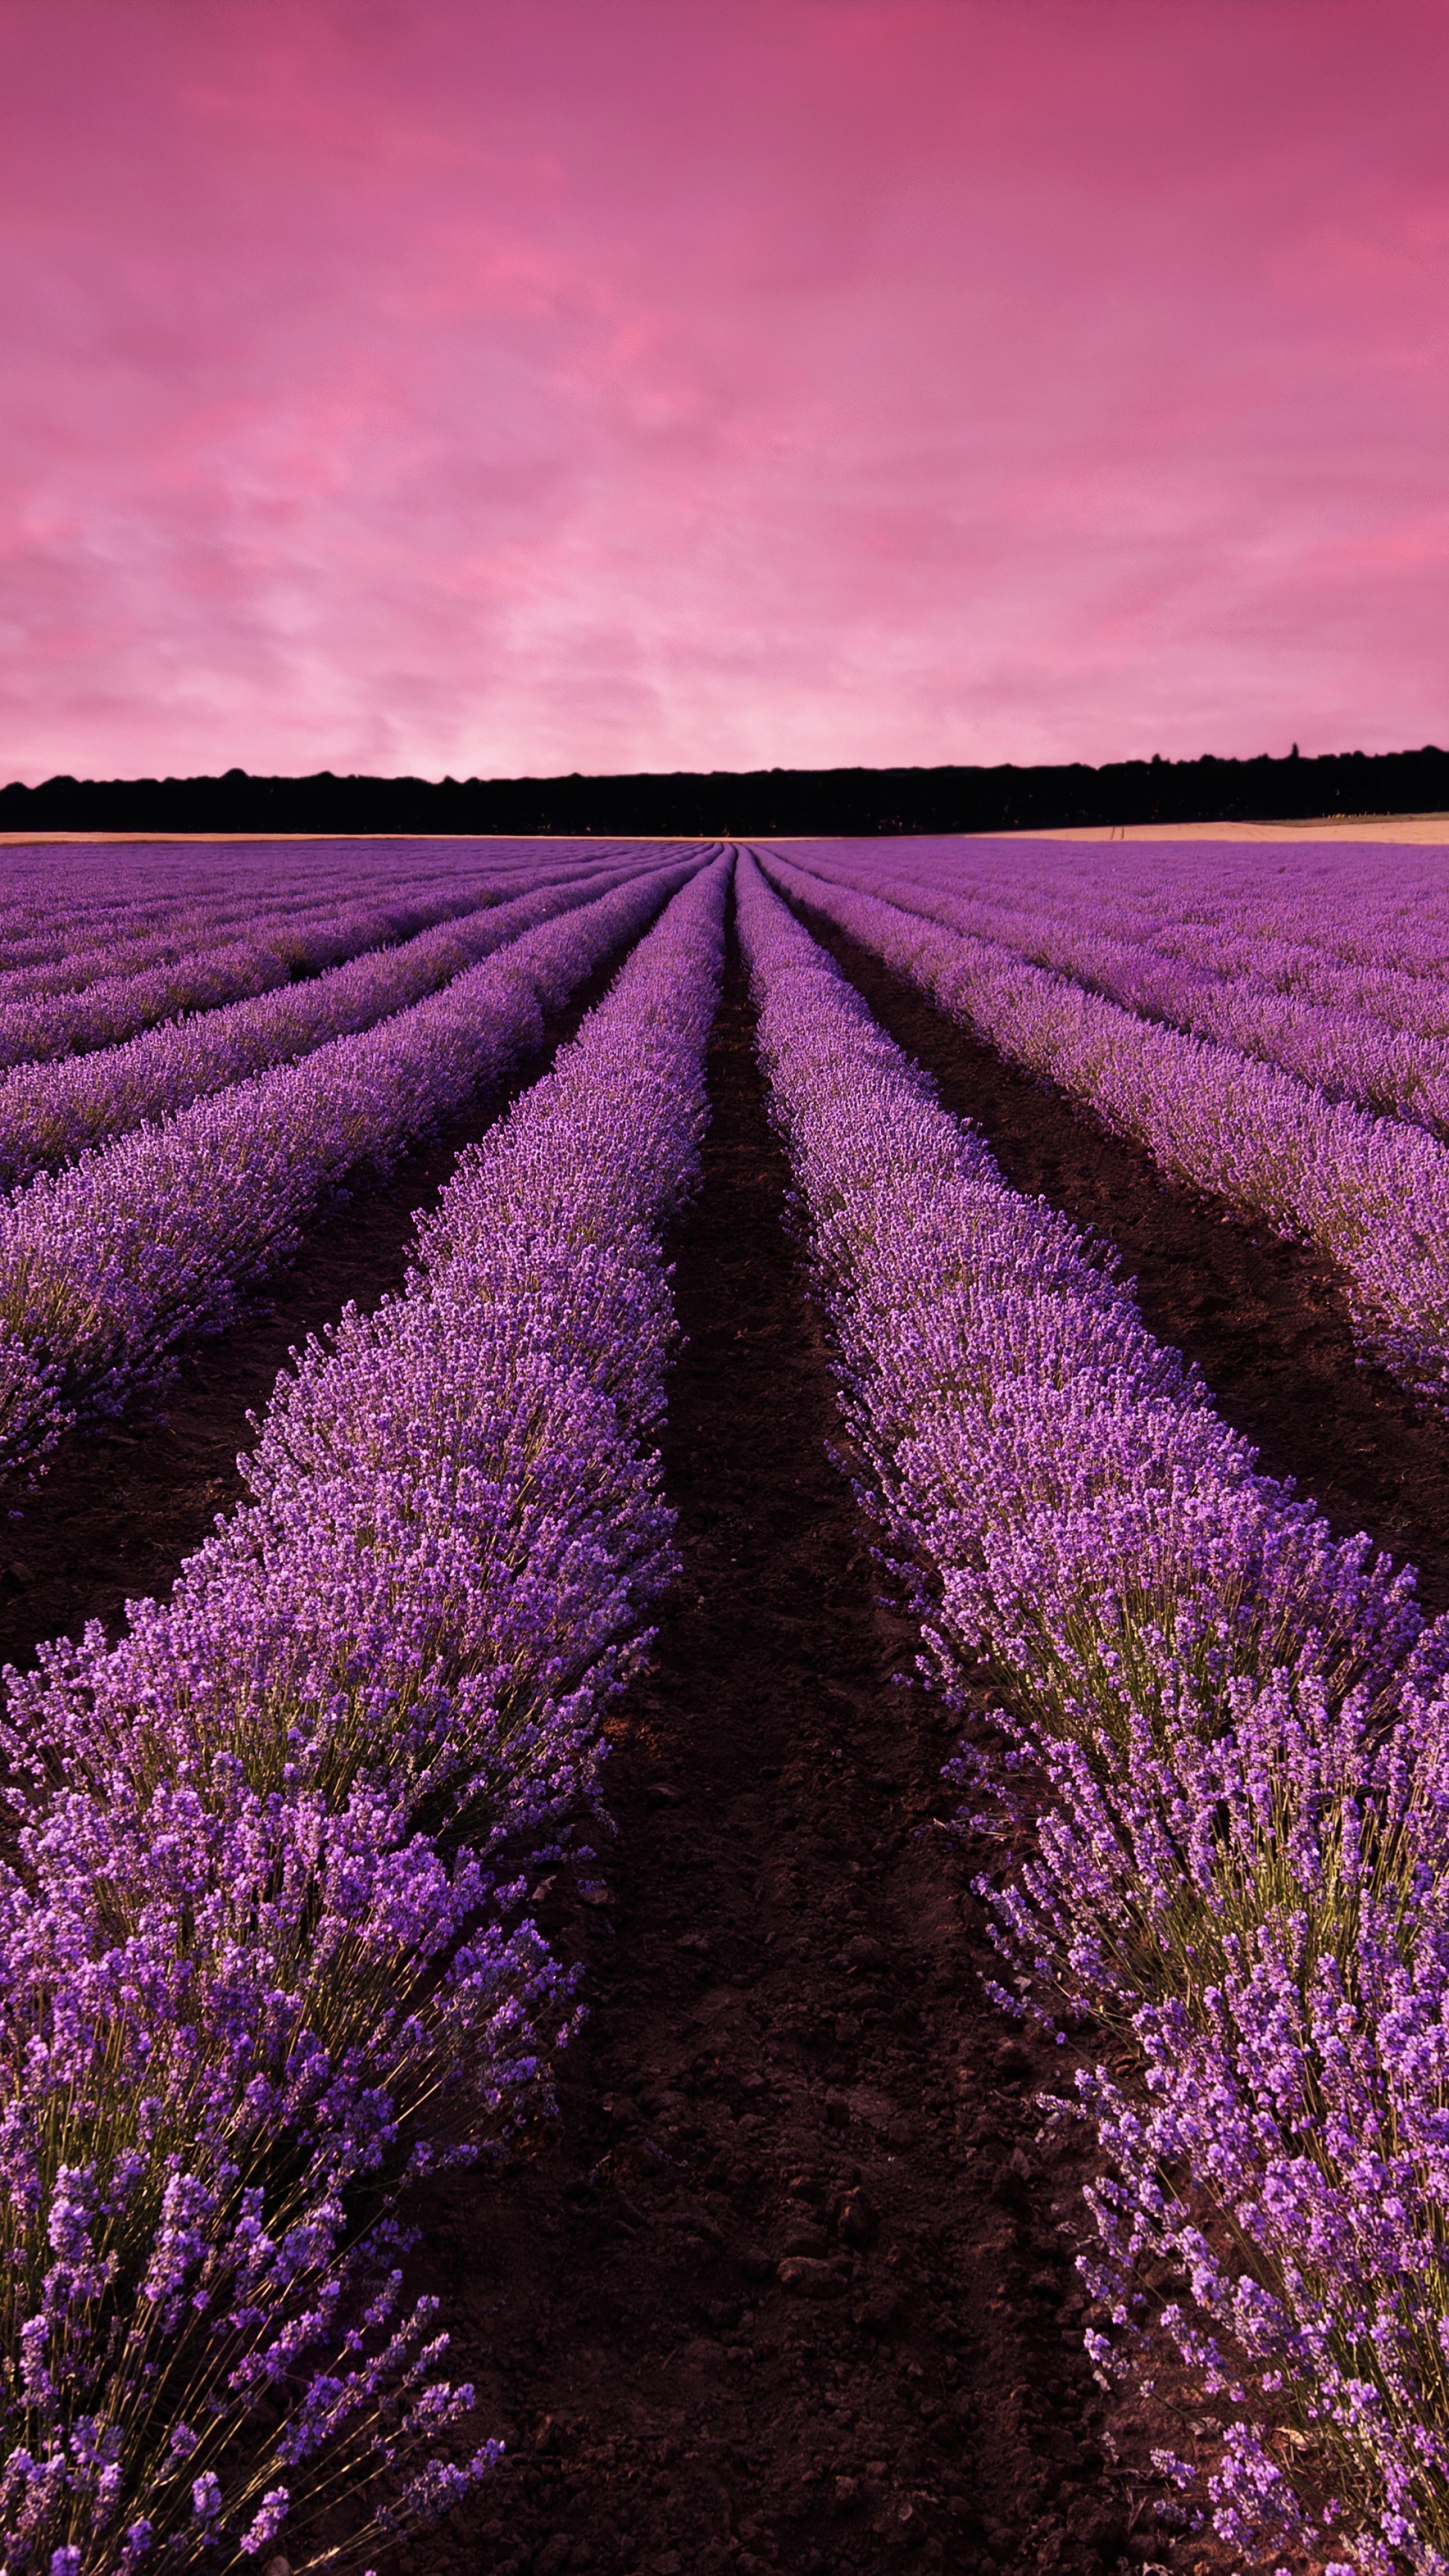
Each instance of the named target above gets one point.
<point>515,385</point>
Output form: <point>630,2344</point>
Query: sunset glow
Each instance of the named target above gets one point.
<point>500,386</point>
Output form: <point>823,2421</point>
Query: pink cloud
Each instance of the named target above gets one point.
<point>510,385</point>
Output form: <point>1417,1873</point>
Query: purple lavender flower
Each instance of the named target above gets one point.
<point>52,1111</point>
<point>264,1943</point>
<point>105,1267</point>
<point>1340,981</point>
<point>100,995</point>
<point>1370,1193</point>
<point>1232,1732</point>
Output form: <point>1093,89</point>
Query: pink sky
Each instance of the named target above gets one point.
<point>534,385</point>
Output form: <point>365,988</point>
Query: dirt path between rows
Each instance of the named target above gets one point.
<point>784,2286</point>
<point>119,1509</point>
<point>1264,1320</point>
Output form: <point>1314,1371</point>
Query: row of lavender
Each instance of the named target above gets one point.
<point>92,997</point>
<point>266,1950</point>
<point>64,899</point>
<point>1316,1016</point>
<point>107,1266</point>
<point>1234,1735</point>
<point>67,952</point>
<point>1364,925</point>
<point>49,1112</point>
<point>1316,935</point>
<point>96,999</point>
<point>1369,1193</point>
<point>78,947</point>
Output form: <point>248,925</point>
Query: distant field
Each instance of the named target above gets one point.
<point>755,1553</point>
<point>1327,827</point>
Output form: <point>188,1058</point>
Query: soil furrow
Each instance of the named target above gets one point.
<point>1265,1321</point>
<point>784,2285</point>
<point>119,1509</point>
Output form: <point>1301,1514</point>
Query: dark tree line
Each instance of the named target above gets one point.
<point>750,803</point>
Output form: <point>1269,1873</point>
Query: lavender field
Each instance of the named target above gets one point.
<point>726,1741</point>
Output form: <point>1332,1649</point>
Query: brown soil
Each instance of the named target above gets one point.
<point>785,2286</point>
<point>1265,1321</point>
<point>119,1509</point>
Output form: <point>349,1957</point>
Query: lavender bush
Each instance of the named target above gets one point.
<point>110,1006</point>
<point>103,999</point>
<point>265,1953</point>
<point>1361,928</point>
<point>51,1111</point>
<point>60,959</point>
<point>1233,1734</point>
<point>54,895</point>
<point>73,935</point>
<point>105,1267</point>
<point>1371,1194</point>
<point>1316,1018</point>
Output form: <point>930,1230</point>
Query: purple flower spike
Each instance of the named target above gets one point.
<point>1236,1734</point>
<point>265,1958</point>
<point>107,1266</point>
<point>1370,1192</point>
